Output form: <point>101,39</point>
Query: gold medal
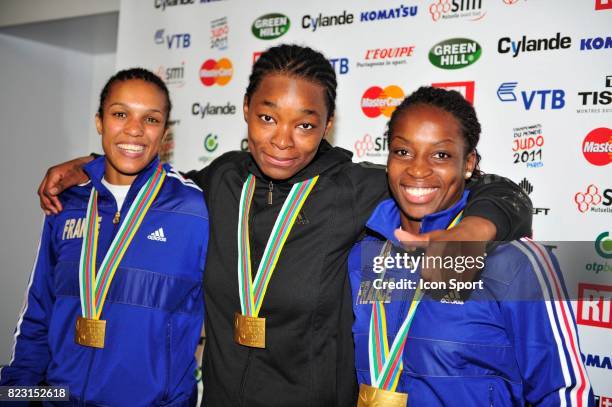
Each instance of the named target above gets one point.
<point>372,397</point>
<point>90,332</point>
<point>249,331</point>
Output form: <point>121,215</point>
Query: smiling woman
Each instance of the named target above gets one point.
<point>86,317</point>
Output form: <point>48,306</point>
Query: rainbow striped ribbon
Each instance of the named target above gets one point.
<point>94,288</point>
<point>252,292</point>
<point>386,364</point>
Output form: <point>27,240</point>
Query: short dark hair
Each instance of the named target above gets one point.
<point>299,61</point>
<point>452,102</point>
<point>135,73</point>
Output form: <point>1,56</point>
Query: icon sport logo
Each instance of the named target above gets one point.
<point>377,101</point>
<point>216,72</point>
<point>597,146</point>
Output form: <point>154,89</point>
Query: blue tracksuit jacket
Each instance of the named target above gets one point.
<point>505,346</point>
<point>154,308</point>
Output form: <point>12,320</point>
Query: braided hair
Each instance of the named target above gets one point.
<point>135,73</point>
<point>452,102</point>
<point>298,61</point>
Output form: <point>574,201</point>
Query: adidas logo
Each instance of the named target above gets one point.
<point>158,235</point>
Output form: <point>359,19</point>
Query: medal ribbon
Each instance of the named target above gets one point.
<point>252,292</point>
<point>94,288</point>
<point>386,364</point>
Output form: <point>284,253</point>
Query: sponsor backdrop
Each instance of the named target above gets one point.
<point>538,72</point>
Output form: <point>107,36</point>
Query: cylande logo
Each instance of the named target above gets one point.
<point>506,44</point>
<point>377,101</point>
<point>309,22</point>
<point>455,53</point>
<point>597,146</point>
<point>270,26</point>
<point>216,72</point>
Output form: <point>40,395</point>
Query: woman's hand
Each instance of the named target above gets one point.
<point>57,179</point>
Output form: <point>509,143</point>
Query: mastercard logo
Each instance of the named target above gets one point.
<point>216,72</point>
<point>597,146</point>
<point>376,100</point>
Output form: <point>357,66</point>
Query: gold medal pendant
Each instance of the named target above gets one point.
<point>249,331</point>
<point>372,397</point>
<point>90,332</point>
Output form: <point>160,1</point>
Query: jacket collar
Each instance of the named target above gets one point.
<point>386,218</point>
<point>326,158</point>
<point>95,170</point>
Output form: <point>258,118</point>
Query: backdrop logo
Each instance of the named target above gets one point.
<point>340,65</point>
<point>211,142</point>
<point>371,147</point>
<point>507,45</point>
<point>182,40</point>
<point>597,146</point>
<point>270,26</point>
<point>465,88</point>
<point>603,4</point>
<point>219,33</point>
<point>527,146</point>
<point>216,72</point>
<point>595,43</point>
<point>455,53</point>
<point>592,198</point>
<point>595,306</point>
<point>603,245</point>
<point>172,75</point>
<point>244,144</point>
<point>309,22</point>
<point>595,99</point>
<point>376,57</point>
<point>388,13</point>
<point>376,100</point>
<point>527,187</point>
<point>202,110</point>
<point>453,9</point>
<point>547,98</point>
<point>170,3</point>
<point>166,149</point>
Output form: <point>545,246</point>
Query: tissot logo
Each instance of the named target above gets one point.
<point>455,53</point>
<point>597,146</point>
<point>595,305</point>
<point>597,101</point>
<point>162,4</point>
<point>314,22</point>
<point>507,45</point>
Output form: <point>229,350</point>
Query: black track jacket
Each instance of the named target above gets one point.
<point>308,359</point>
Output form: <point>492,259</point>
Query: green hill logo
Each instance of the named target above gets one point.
<point>270,26</point>
<point>455,53</point>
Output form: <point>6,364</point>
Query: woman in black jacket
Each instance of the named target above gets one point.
<point>302,353</point>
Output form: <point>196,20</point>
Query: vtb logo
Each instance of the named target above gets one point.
<point>548,98</point>
<point>595,305</point>
<point>182,40</point>
<point>376,100</point>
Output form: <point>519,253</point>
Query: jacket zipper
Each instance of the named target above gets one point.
<point>270,189</point>
<point>245,372</point>
<point>490,395</point>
